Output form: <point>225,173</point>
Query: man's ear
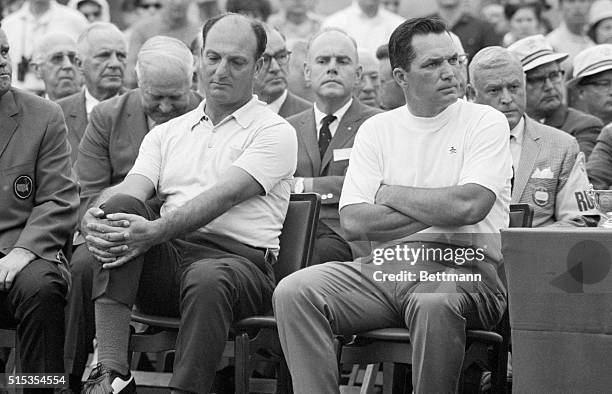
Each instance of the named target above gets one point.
<point>358,75</point>
<point>258,66</point>
<point>307,73</point>
<point>37,70</point>
<point>470,92</point>
<point>399,74</point>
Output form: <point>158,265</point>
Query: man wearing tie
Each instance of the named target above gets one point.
<point>326,134</point>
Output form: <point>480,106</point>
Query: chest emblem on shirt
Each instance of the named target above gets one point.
<point>23,187</point>
<point>540,196</point>
<point>452,150</point>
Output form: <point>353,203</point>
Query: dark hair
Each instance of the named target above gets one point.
<point>511,9</point>
<point>401,52</point>
<point>261,7</point>
<point>257,27</point>
<point>382,52</point>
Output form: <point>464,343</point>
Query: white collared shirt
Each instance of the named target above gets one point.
<point>370,33</point>
<point>276,105</point>
<point>516,143</point>
<point>333,126</point>
<point>188,155</point>
<point>90,102</point>
<point>24,30</point>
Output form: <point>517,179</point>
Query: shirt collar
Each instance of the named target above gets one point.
<point>519,131</point>
<point>276,105</point>
<point>90,101</point>
<point>244,115</point>
<point>319,115</point>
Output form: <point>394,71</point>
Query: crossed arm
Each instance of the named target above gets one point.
<point>399,211</point>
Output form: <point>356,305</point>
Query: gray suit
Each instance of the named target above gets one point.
<point>328,174</point>
<point>293,105</point>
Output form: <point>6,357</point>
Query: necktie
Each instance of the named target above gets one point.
<point>512,140</point>
<point>324,134</point>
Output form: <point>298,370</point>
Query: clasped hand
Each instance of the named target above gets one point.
<point>116,238</point>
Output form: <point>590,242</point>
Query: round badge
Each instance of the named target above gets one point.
<point>23,187</point>
<point>540,196</point>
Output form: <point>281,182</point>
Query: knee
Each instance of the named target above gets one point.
<point>82,263</point>
<point>47,290</point>
<point>294,288</point>
<point>123,203</point>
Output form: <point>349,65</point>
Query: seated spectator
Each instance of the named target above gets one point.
<point>28,26</point>
<point>593,81</point>
<point>549,169</point>
<point>55,62</point>
<point>439,164</point>
<point>223,172</point>
<point>367,21</point>
<point>296,82</point>
<point>93,10</point>
<point>600,22</point>
<point>368,87</point>
<point>570,37</point>
<point>599,166</point>
<point>39,210</point>
<point>172,20</point>
<point>326,133</point>
<point>524,20</point>
<point>259,10</point>
<point>271,82</point>
<point>545,89</point>
<point>102,52</point>
<point>106,155</point>
<point>296,19</point>
<point>391,93</point>
<point>473,32</point>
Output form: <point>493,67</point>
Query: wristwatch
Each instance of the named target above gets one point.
<point>298,186</point>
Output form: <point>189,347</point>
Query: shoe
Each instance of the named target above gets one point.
<point>103,380</point>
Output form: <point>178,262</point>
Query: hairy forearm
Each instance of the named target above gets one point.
<point>377,223</point>
<point>447,206</point>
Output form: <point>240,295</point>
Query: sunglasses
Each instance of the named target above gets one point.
<point>146,6</point>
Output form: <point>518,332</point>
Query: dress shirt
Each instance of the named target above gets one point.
<point>90,102</point>
<point>516,142</point>
<point>278,103</point>
<point>333,126</point>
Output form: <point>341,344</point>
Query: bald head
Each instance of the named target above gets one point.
<point>497,80</point>
<point>55,62</point>
<point>231,22</point>
<point>97,34</point>
<point>334,32</point>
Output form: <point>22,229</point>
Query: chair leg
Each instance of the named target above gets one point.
<point>500,370</point>
<point>242,372</point>
<point>369,378</point>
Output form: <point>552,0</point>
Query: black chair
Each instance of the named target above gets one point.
<point>392,345</point>
<point>296,244</point>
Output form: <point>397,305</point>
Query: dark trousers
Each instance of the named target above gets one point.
<point>329,246</point>
<point>209,281</point>
<point>80,323</point>
<point>35,306</point>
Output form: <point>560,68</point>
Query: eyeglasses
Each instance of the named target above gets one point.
<point>58,58</point>
<point>282,58</point>
<point>540,80</point>
<point>146,6</point>
<point>600,84</point>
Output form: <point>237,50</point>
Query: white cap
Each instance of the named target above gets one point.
<point>535,51</point>
<point>592,61</point>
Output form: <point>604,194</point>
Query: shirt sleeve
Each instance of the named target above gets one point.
<point>365,173</point>
<point>488,161</point>
<point>271,156</point>
<point>149,160</point>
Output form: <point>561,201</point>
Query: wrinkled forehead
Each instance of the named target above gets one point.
<point>433,45</point>
<point>233,35</point>
<point>333,43</point>
<point>275,42</point>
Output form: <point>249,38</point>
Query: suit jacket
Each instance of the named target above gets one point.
<point>293,105</point>
<point>584,127</point>
<point>111,142</point>
<point>551,176</point>
<point>328,173</point>
<point>75,114</point>
<point>599,166</point>
<point>38,194</point>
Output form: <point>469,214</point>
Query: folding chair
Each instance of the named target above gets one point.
<point>392,345</point>
<point>296,244</point>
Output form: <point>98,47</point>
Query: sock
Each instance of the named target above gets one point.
<point>113,334</point>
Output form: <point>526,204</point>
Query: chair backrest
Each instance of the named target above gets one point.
<point>298,234</point>
<point>521,215</point>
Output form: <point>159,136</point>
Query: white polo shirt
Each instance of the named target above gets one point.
<point>188,155</point>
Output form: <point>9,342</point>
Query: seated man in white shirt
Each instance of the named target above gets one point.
<point>549,169</point>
